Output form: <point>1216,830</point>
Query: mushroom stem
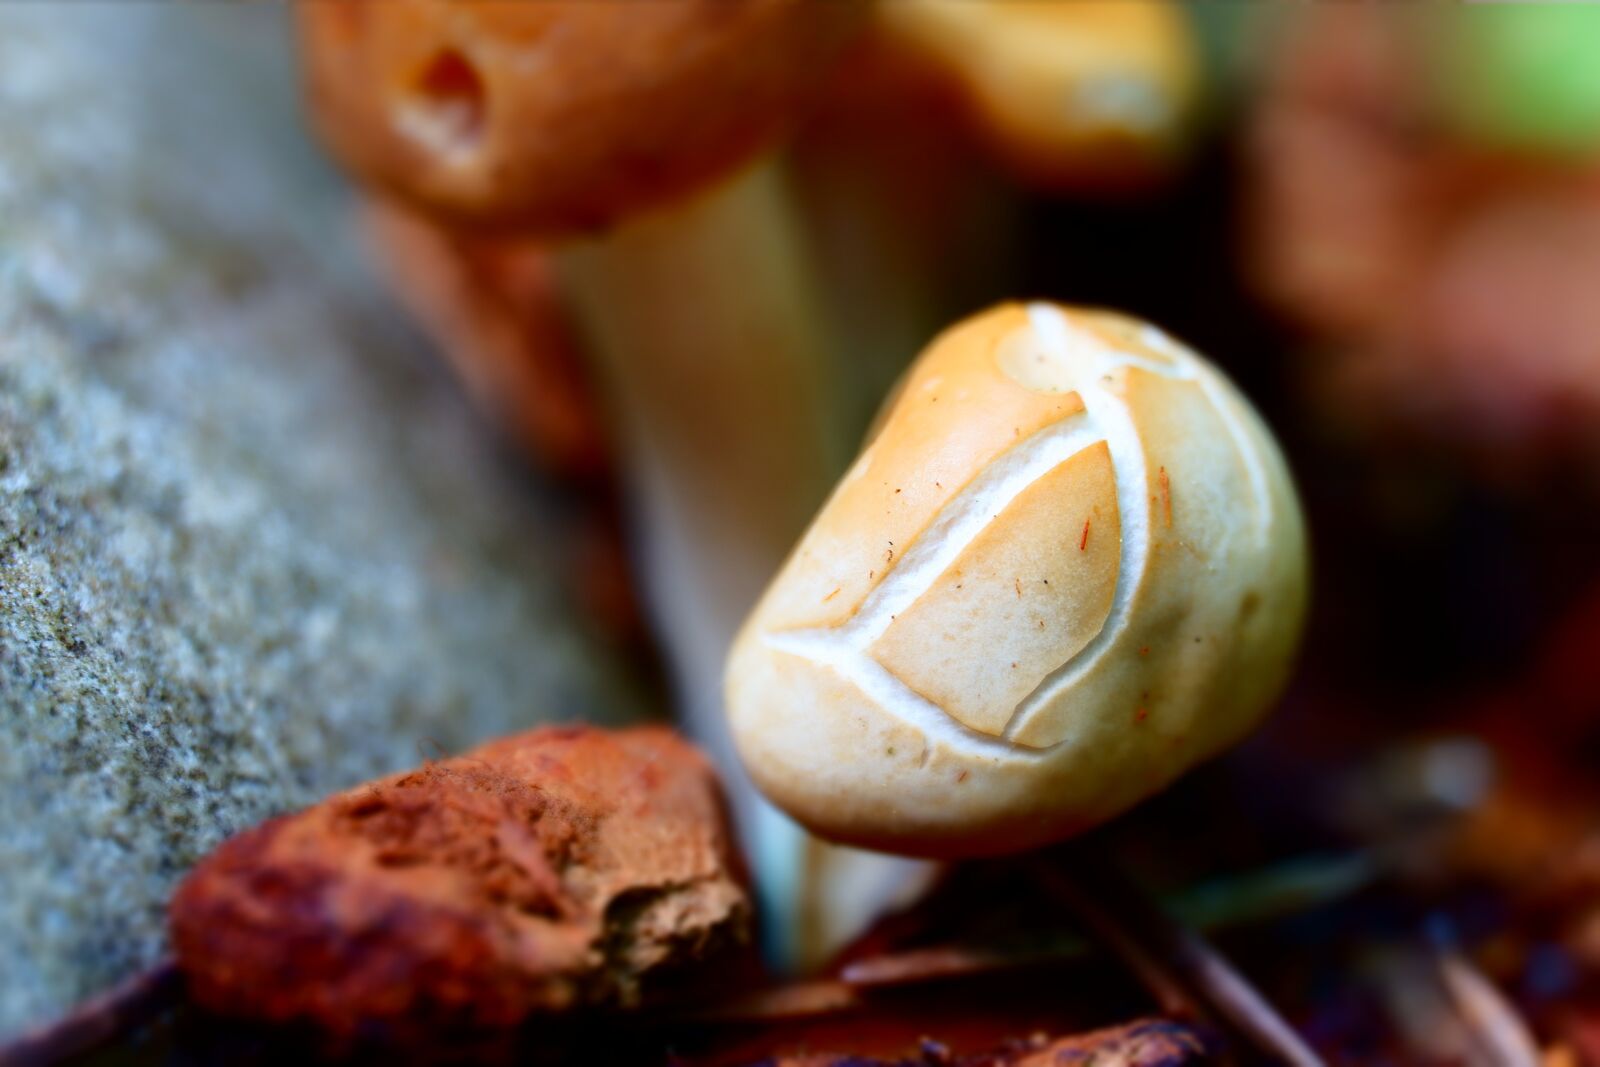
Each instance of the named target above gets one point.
<point>705,325</point>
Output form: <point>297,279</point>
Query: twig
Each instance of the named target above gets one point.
<point>1499,1030</point>
<point>953,961</point>
<point>1130,938</point>
<point>796,1000</point>
<point>124,1007</point>
<point>1283,889</point>
<point>1445,1010</point>
<point>1184,973</point>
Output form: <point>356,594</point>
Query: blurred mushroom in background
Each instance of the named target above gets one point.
<point>914,170</point>
<point>1091,94</point>
<point>1423,200</point>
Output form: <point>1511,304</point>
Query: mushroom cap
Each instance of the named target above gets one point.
<point>1068,92</point>
<point>561,116</point>
<point>1069,565</point>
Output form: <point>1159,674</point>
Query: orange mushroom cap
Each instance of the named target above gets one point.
<point>558,117</point>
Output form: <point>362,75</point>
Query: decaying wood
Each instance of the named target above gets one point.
<point>551,870</point>
<point>1145,1043</point>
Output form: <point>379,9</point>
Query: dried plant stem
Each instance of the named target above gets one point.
<point>125,1007</point>
<point>1127,937</point>
<point>1187,976</point>
<point>795,1000</point>
<point>1501,1033</point>
<point>1288,888</point>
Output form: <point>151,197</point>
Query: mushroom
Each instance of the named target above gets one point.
<point>629,138</point>
<point>561,118</point>
<point>1069,565</point>
<point>1068,93</point>
<point>1422,202</point>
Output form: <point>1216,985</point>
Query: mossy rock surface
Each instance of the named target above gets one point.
<point>254,547</point>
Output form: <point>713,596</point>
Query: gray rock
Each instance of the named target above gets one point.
<point>253,546</point>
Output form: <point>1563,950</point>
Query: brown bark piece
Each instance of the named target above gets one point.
<point>544,871</point>
<point>1143,1043</point>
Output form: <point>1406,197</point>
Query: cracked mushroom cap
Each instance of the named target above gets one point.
<point>561,116</point>
<point>1069,565</point>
